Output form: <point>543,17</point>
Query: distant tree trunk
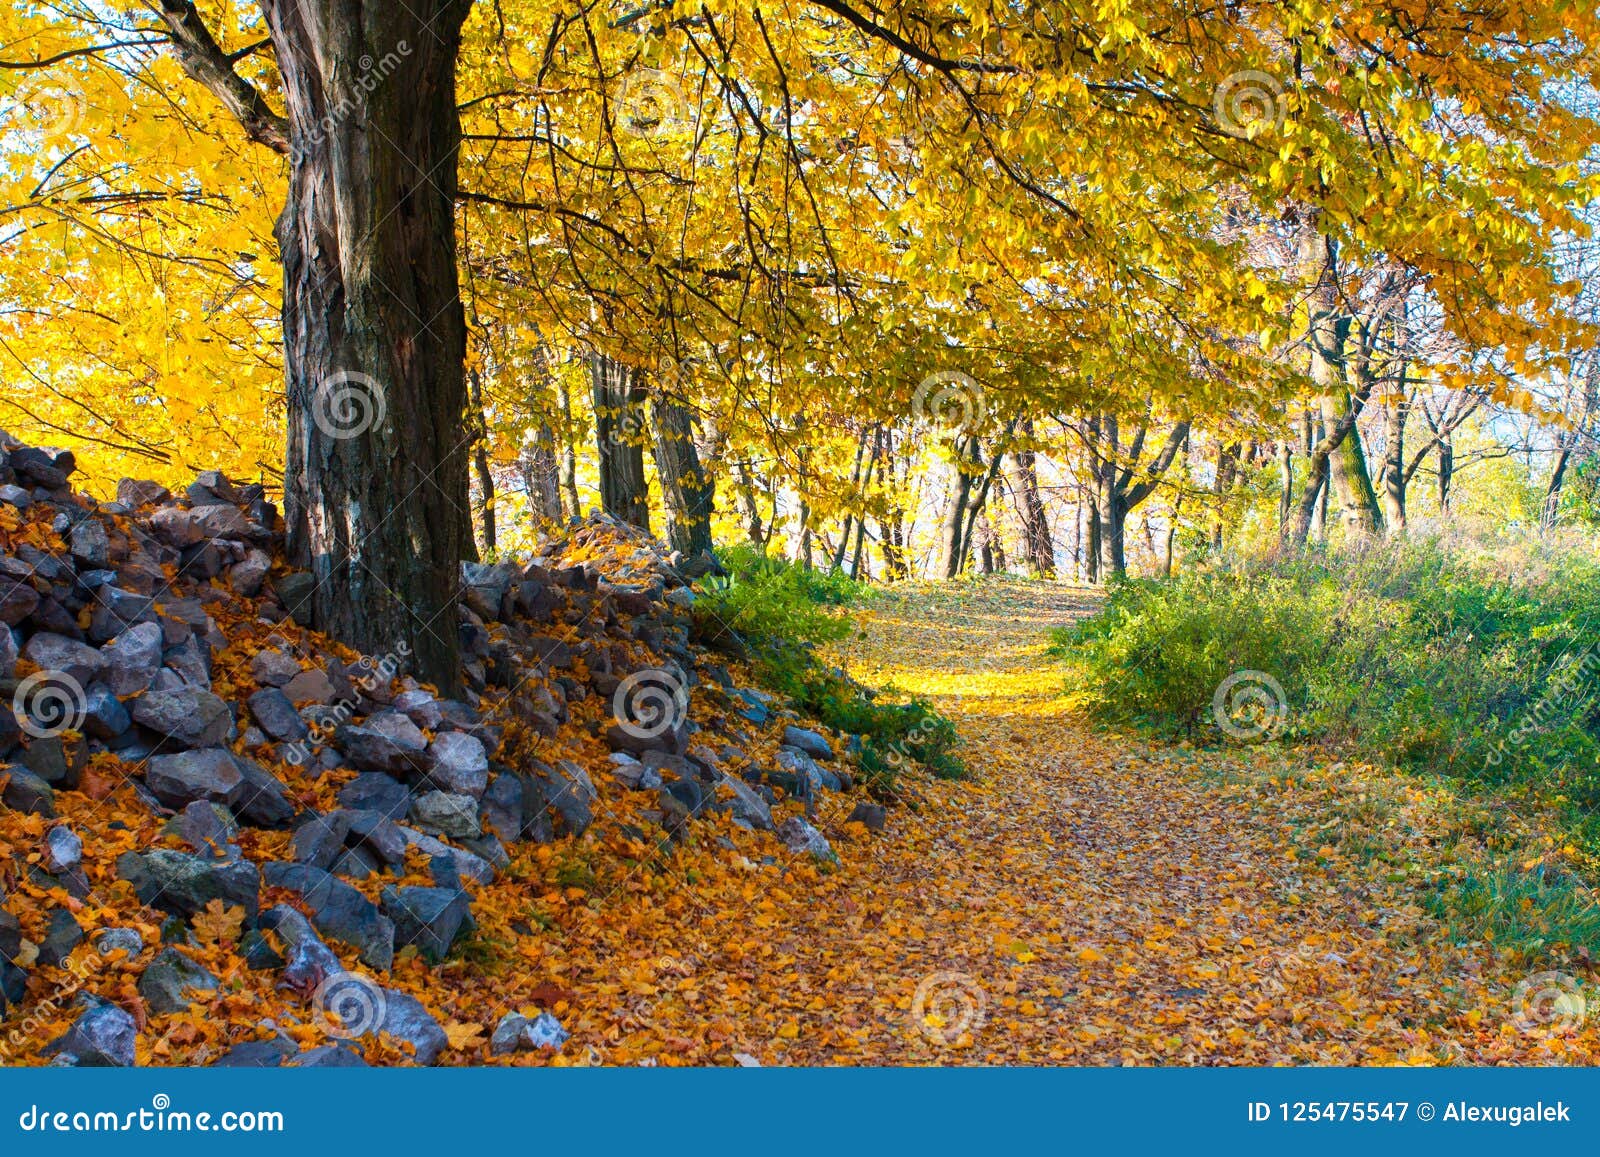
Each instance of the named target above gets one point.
<point>686,488</point>
<point>1286,480</point>
<point>1116,493</point>
<point>952,534</point>
<point>1447,470</point>
<point>1394,461</point>
<point>755,528</point>
<point>1091,552</point>
<point>1037,539</point>
<point>1351,482</point>
<point>375,487</point>
<point>620,436</point>
<point>1227,469</point>
<point>480,461</point>
<point>541,475</point>
<point>569,452</point>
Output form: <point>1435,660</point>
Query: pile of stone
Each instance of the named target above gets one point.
<point>114,618</point>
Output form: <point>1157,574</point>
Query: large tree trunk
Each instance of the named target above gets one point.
<point>1351,482</point>
<point>686,488</point>
<point>619,432</point>
<point>374,335</point>
<point>1036,536</point>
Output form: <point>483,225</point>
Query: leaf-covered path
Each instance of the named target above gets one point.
<point>1094,900</point>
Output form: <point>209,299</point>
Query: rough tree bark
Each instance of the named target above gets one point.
<point>619,432</point>
<point>1038,541</point>
<point>375,482</point>
<point>686,488</point>
<point>374,334</point>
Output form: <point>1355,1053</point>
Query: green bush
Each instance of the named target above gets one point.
<point>1483,669</point>
<point>762,598</point>
<point>775,613</point>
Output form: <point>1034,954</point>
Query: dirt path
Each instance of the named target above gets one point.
<point>1088,899</point>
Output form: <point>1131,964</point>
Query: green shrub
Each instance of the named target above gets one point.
<point>1482,669</point>
<point>776,613</point>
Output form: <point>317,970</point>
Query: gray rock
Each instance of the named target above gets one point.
<point>189,717</point>
<point>569,790</point>
<point>125,940</point>
<point>309,960</point>
<point>319,840</point>
<point>90,544</point>
<point>276,715</point>
<point>447,814</point>
<point>801,838</point>
<point>63,850</point>
<point>871,815</point>
<point>339,911</point>
<point>263,800</point>
<point>516,1033</point>
<point>813,743</point>
<point>458,764</point>
<point>9,651</point>
<point>77,661</point>
<point>272,668</point>
<point>209,828</point>
<point>746,807</point>
<point>384,747</point>
<point>170,978</point>
<point>377,834</point>
<point>137,492</point>
<point>430,918</point>
<point>501,809</point>
<point>105,718</point>
<point>133,658</point>
<point>338,1056</point>
<point>449,865</point>
<point>249,576</point>
<point>310,687</point>
<point>26,793</point>
<point>405,1019</point>
<point>213,775</point>
<point>256,1054</point>
<point>184,884</point>
<point>374,791</point>
<point>421,708</point>
<point>103,1037</point>
<point>62,935</point>
<point>48,758</point>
